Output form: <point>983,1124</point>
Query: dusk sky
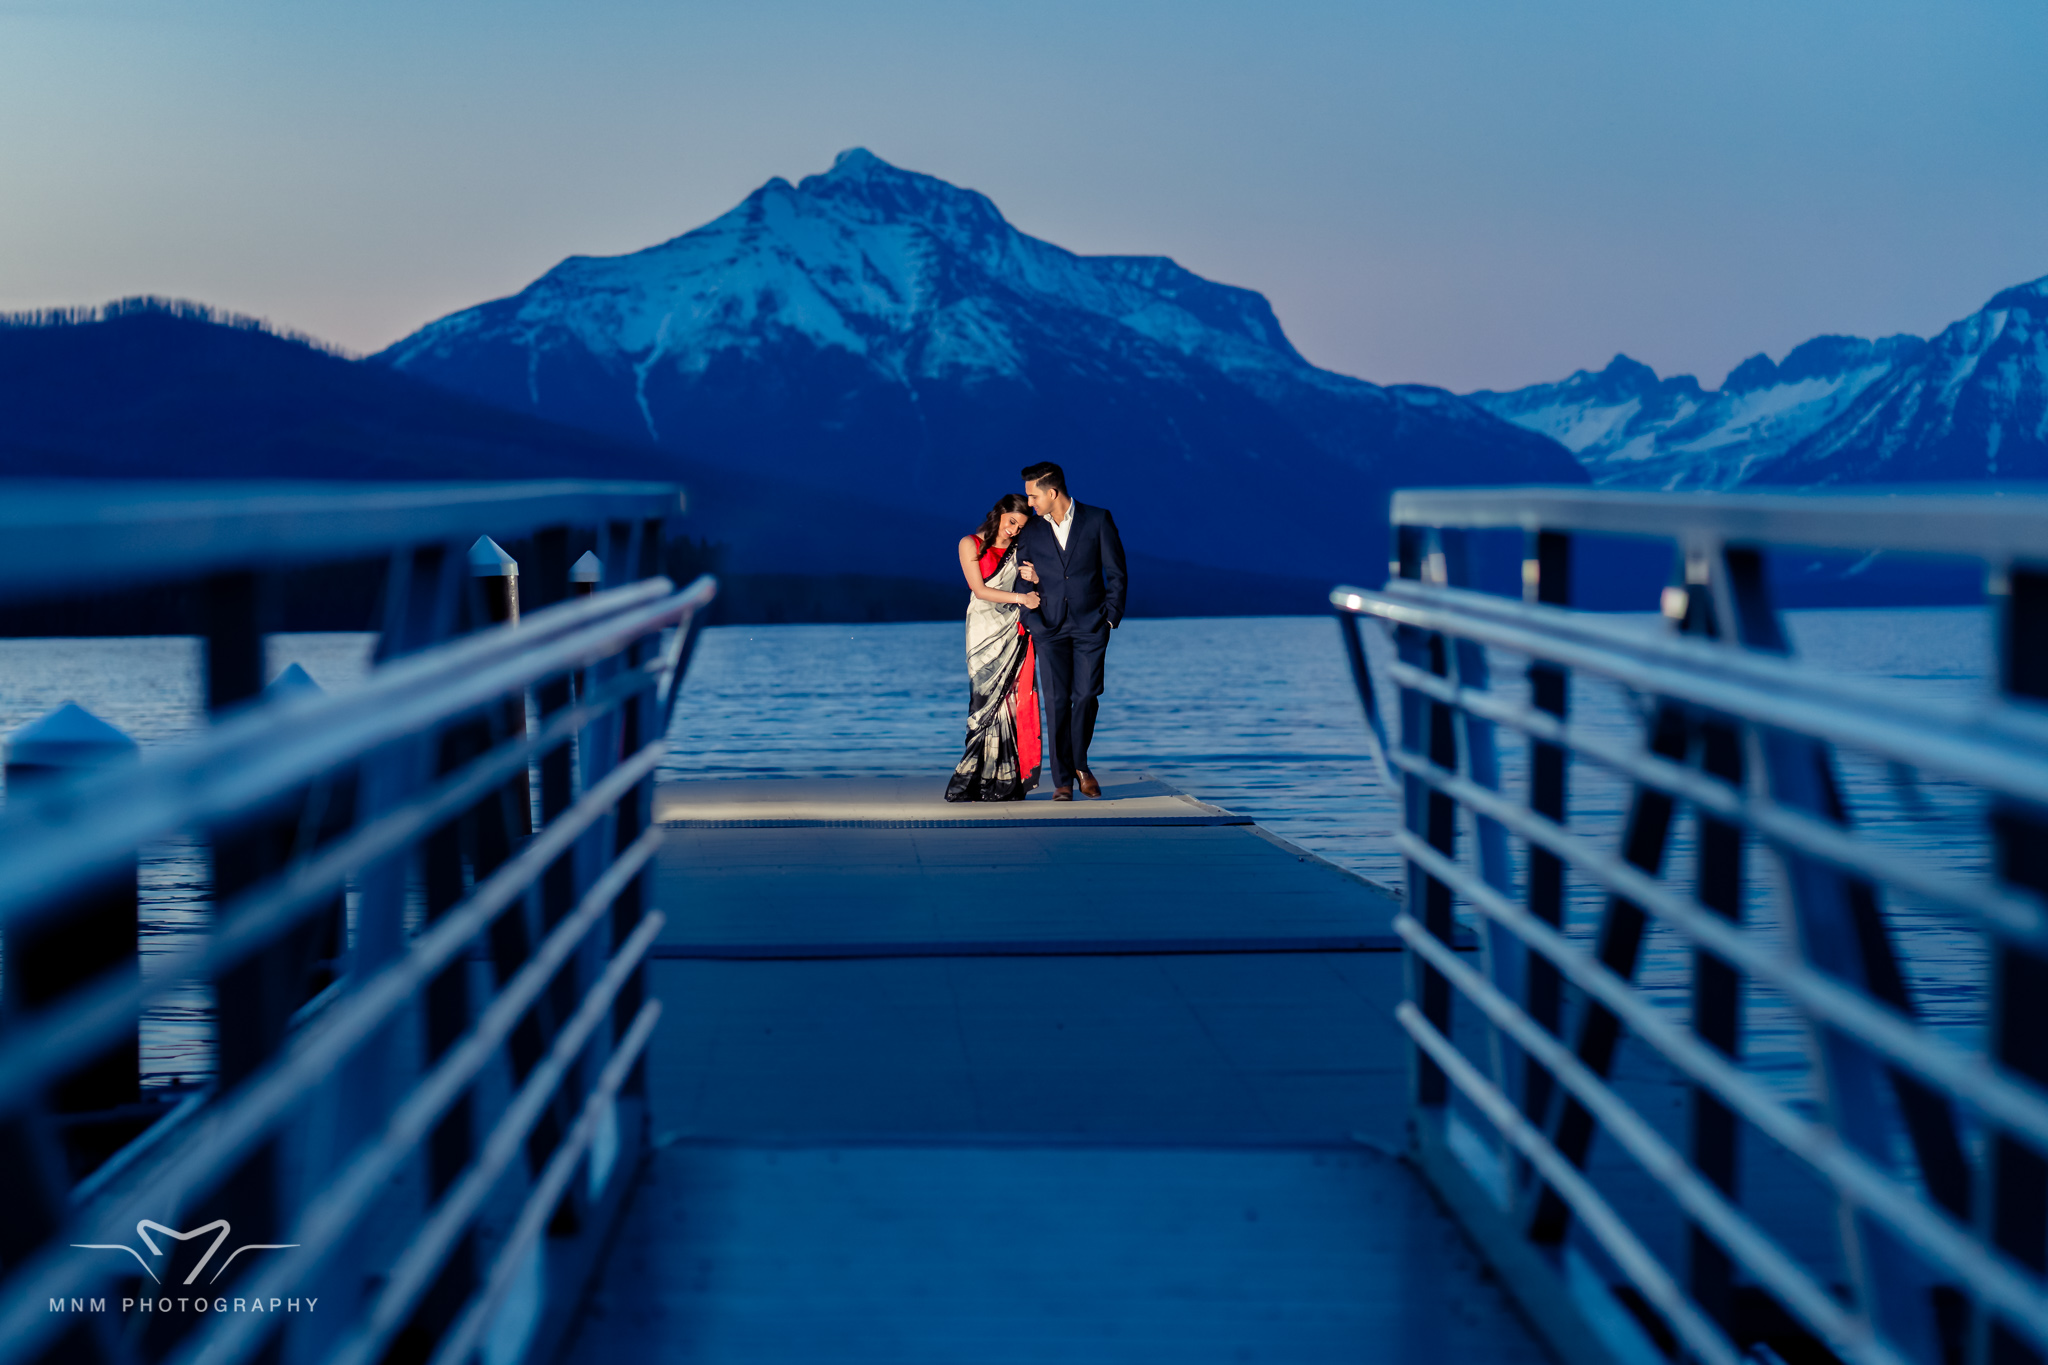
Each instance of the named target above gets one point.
<point>1451,192</point>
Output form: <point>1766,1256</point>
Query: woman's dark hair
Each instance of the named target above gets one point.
<point>993,522</point>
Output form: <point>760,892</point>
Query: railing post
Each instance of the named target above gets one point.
<point>1717,1019</point>
<point>1546,580</point>
<point>423,597</point>
<point>255,998</point>
<point>1503,952</point>
<point>640,720</point>
<point>482,838</point>
<point>2017,1026</point>
<point>1430,815</point>
<point>1840,930</point>
<point>560,884</point>
<point>1618,947</point>
<point>499,824</point>
<point>232,626</point>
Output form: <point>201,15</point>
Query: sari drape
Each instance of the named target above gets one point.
<point>1001,759</point>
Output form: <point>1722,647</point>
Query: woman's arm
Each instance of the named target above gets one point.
<point>970,565</point>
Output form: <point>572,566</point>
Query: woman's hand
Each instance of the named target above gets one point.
<point>1026,572</point>
<point>1029,599</point>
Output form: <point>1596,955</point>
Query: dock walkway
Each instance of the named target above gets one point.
<point>1110,1081</point>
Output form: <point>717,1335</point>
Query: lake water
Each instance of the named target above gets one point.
<point>1256,714</point>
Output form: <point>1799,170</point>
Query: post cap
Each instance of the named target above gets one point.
<point>68,737</point>
<point>487,559</point>
<point>589,569</point>
<point>293,682</point>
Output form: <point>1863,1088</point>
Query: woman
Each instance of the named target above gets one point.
<point>1001,762</point>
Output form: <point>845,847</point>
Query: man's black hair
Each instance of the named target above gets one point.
<point>1047,475</point>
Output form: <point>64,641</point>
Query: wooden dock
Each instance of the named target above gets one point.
<point>1110,1081</point>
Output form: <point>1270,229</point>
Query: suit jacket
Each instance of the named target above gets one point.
<point>1083,584</point>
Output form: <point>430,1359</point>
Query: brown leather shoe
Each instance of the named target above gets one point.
<point>1089,786</point>
<point>1062,793</point>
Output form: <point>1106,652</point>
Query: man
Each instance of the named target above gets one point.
<point>1079,561</point>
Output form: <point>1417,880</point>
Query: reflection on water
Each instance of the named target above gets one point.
<point>1254,714</point>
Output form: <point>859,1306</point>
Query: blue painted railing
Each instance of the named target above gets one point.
<point>428,923</point>
<point>1902,1216</point>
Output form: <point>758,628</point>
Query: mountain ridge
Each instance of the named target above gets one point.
<point>1968,404</point>
<point>870,322</point>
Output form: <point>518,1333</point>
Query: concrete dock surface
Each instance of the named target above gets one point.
<point>1103,1081</point>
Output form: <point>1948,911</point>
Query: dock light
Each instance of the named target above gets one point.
<point>1354,601</point>
<point>1674,602</point>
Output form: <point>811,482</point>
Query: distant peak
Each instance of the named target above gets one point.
<point>870,187</point>
<point>1626,367</point>
<point>1627,378</point>
<point>856,162</point>
<point>1757,372</point>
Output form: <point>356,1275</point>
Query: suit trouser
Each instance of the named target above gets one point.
<point>1070,680</point>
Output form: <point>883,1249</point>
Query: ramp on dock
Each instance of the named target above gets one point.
<point>1109,1081</point>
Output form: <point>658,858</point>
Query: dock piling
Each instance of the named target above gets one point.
<point>94,934</point>
<point>497,573</point>
<point>585,574</point>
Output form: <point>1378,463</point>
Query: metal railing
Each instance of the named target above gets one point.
<point>1922,1158</point>
<point>429,919</point>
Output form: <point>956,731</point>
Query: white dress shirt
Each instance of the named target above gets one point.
<point>1061,528</point>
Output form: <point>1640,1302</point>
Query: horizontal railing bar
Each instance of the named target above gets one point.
<point>145,1142</point>
<point>1775,673</point>
<point>66,536</point>
<point>1968,526</point>
<point>47,1046</point>
<point>463,1337</point>
<point>1754,687</point>
<point>1595,1213</point>
<point>413,1273</point>
<point>275,748</point>
<point>327,1220</point>
<point>1929,1230</point>
<point>244,1116</point>
<point>99,1011</point>
<point>2012,916</point>
<point>1965,1075</point>
<point>1728,1225</point>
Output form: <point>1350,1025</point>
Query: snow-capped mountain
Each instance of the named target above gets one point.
<point>1972,403</point>
<point>878,329</point>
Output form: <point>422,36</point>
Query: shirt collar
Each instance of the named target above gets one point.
<point>1071,506</point>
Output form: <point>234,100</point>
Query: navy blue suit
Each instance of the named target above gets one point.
<point>1081,593</point>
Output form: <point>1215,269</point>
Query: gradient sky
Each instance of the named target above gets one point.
<point>1442,191</point>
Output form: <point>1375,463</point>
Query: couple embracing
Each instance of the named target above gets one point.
<point>1047,578</point>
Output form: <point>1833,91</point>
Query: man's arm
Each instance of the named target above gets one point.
<point>1026,553</point>
<point>1114,579</point>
